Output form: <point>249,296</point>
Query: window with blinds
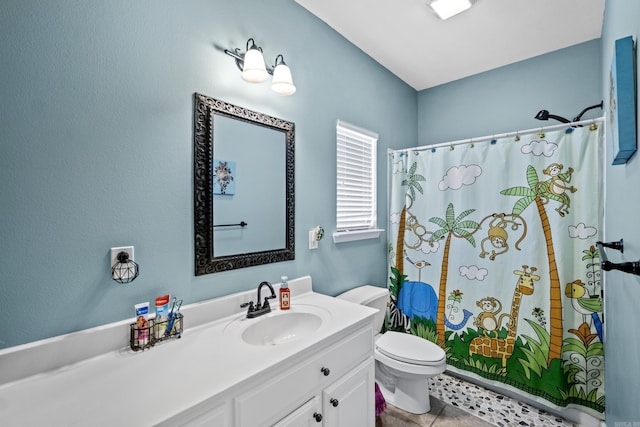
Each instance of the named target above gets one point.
<point>356,178</point>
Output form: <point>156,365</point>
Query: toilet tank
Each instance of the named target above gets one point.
<point>371,296</point>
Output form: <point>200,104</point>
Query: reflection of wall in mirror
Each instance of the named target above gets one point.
<point>260,191</point>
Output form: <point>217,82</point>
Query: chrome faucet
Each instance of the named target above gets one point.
<point>260,308</point>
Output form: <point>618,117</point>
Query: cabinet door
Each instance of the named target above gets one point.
<point>308,415</point>
<point>350,401</point>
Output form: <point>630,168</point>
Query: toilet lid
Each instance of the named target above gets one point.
<point>409,348</point>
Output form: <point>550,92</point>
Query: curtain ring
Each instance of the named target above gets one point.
<point>593,126</point>
<point>541,133</point>
<point>517,137</point>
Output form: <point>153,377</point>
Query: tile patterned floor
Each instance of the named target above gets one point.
<point>441,415</point>
<point>455,402</point>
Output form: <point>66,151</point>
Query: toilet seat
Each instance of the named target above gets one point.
<point>409,348</point>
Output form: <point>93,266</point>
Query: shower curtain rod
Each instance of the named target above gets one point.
<point>501,135</point>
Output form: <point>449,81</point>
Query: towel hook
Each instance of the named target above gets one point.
<point>625,267</point>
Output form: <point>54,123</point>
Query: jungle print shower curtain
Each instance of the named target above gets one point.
<point>492,255</point>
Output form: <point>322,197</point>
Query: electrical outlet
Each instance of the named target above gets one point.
<point>116,251</point>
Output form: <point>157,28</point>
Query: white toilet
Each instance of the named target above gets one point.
<point>404,362</point>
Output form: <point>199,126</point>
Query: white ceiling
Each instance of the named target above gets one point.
<point>407,38</point>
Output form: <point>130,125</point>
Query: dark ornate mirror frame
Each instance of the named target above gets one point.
<point>205,110</point>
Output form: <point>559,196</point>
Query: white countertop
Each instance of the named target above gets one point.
<point>126,388</point>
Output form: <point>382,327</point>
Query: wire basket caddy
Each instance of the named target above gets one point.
<point>153,332</point>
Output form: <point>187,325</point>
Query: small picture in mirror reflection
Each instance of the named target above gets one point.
<point>224,172</point>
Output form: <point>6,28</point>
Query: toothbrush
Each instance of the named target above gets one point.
<point>175,309</point>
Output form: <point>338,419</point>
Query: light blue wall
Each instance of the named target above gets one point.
<point>96,126</point>
<point>507,99</point>
<point>622,293</point>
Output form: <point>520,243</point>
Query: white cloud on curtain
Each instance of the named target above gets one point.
<point>492,255</point>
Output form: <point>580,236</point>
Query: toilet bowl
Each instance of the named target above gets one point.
<point>404,362</point>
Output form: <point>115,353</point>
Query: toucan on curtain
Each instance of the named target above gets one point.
<point>492,255</point>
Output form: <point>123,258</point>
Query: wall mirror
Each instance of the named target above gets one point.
<point>243,187</point>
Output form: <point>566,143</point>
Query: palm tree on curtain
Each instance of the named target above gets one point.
<point>412,182</point>
<point>450,226</point>
<point>539,193</point>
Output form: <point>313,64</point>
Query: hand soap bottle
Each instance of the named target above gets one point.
<point>285,294</point>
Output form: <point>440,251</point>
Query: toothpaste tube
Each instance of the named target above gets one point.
<point>162,315</point>
<point>142,323</point>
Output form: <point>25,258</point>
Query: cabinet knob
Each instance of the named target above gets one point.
<point>334,402</point>
<point>325,371</point>
<point>317,416</point>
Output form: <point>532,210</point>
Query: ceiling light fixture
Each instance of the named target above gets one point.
<point>445,9</point>
<point>251,63</point>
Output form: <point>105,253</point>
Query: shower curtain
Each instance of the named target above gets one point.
<point>492,255</point>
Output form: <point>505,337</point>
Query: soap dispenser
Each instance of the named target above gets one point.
<point>285,294</point>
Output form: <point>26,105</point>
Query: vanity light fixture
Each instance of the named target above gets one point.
<point>445,9</point>
<point>251,63</point>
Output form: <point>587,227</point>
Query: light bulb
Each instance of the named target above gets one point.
<point>254,70</point>
<point>282,83</point>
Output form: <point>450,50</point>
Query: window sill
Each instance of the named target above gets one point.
<point>350,236</point>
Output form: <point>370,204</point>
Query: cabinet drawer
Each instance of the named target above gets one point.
<point>306,415</point>
<point>287,389</point>
<point>213,413</point>
<point>345,355</point>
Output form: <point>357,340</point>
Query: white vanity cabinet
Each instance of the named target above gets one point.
<point>348,402</point>
<point>210,414</point>
<point>331,386</point>
<point>211,376</point>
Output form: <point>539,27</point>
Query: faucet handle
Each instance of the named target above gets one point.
<point>266,300</point>
<point>249,304</point>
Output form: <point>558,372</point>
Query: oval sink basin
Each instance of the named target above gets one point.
<point>279,327</point>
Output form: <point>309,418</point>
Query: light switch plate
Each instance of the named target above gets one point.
<point>313,242</point>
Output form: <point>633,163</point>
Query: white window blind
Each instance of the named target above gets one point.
<point>356,178</point>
